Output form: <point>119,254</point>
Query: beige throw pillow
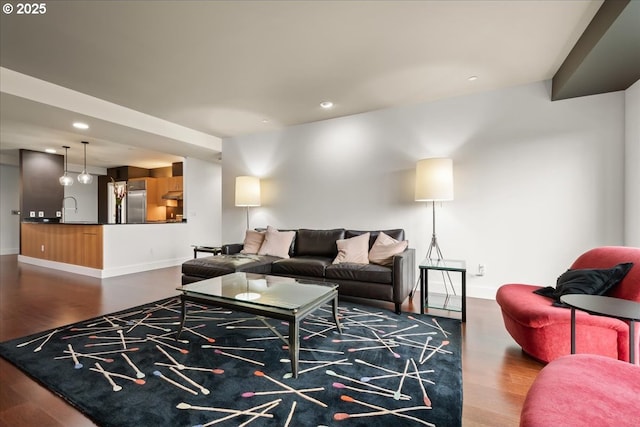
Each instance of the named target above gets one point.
<point>252,242</point>
<point>276,243</point>
<point>384,248</point>
<point>355,249</point>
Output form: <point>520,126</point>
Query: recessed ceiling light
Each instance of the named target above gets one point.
<point>80,125</point>
<point>473,78</point>
<point>50,151</point>
<point>265,121</point>
<point>326,104</point>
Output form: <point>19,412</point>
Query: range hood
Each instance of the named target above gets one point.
<point>172,195</point>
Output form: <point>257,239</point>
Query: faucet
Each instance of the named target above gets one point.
<point>75,202</point>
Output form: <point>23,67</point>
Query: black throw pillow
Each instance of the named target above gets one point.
<point>585,281</point>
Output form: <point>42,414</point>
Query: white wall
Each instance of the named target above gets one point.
<point>130,248</point>
<point>9,200</point>
<point>86,196</point>
<point>537,182</point>
<point>632,166</point>
<point>203,188</point>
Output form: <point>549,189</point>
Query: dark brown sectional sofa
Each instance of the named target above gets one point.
<point>311,256</point>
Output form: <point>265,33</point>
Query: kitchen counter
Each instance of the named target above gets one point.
<point>77,244</point>
<point>104,250</point>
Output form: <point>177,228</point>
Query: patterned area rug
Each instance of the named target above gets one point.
<point>233,369</point>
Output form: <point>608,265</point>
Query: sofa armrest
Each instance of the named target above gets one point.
<point>232,248</point>
<point>404,265</point>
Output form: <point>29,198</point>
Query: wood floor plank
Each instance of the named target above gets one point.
<point>496,374</point>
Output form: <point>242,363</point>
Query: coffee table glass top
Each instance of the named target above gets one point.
<point>258,289</point>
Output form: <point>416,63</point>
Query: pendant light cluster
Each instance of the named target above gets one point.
<point>84,177</point>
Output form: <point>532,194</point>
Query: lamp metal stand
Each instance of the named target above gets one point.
<point>247,217</point>
<point>433,246</point>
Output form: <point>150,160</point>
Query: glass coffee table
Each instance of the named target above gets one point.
<point>604,306</point>
<point>275,297</point>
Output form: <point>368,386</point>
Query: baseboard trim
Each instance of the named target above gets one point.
<point>104,273</point>
<point>70,268</point>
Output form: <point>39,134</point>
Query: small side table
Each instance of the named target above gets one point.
<point>617,308</point>
<point>446,266</point>
<point>215,250</point>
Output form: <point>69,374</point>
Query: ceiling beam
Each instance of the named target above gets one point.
<point>606,58</point>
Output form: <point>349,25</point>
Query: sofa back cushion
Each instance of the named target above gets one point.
<point>385,248</point>
<point>610,256</point>
<point>277,243</point>
<point>292,249</point>
<point>252,241</point>
<point>318,242</point>
<point>397,234</point>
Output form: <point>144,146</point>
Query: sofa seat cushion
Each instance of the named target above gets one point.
<point>583,390</point>
<point>220,265</point>
<point>359,272</point>
<point>310,266</point>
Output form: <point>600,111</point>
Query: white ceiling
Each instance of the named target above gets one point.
<point>228,68</point>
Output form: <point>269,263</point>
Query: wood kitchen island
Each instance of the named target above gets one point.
<point>77,244</point>
<point>104,250</point>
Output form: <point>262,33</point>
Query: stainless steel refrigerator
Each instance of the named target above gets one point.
<point>137,202</point>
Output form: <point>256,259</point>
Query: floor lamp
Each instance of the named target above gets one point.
<point>247,192</point>
<point>434,183</point>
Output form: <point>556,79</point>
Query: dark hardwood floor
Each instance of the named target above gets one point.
<point>496,374</point>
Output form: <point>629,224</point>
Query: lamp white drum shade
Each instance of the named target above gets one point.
<point>247,191</point>
<point>434,180</point>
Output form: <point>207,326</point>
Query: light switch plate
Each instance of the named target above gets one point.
<point>32,214</point>
<point>58,214</point>
<point>40,214</point>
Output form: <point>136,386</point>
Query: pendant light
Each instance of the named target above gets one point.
<point>84,177</point>
<point>65,179</point>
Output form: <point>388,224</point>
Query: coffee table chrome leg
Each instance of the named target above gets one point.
<point>424,293</point>
<point>632,347</point>
<point>334,304</point>
<point>183,316</point>
<point>573,330</point>
<point>294,346</point>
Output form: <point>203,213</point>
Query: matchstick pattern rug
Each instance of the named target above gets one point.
<point>233,369</point>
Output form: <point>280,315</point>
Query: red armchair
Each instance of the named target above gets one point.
<point>583,390</point>
<point>544,331</point>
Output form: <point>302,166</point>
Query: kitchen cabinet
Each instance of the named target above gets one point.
<point>166,184</point>
<point>124,173</point>
<point>155,210</point>
<point>175,183</point>
<point>176,169</point>
<point>162,187</point>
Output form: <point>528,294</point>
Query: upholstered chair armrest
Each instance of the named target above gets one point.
<point>404,265</point>
<point>232,248</point>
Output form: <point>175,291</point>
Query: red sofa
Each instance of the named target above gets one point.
<point>544,331</point>
<point>583,390</point>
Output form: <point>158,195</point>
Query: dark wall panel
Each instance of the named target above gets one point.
<point>40,189</point>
